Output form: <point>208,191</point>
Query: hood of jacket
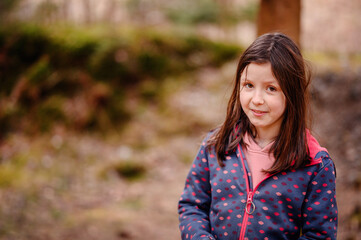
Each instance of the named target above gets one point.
<point>315,148</point>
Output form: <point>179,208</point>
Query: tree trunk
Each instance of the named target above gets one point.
<point>110,11</point>
<point>280,16</point>
<point>87,11</point>
<point>65,10</point>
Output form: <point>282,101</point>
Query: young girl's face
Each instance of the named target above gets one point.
<point>262,99</point>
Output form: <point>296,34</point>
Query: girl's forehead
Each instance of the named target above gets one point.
<point>258,72</point>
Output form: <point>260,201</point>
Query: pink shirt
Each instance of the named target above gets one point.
<point>257,158</point>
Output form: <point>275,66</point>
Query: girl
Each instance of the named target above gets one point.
<point>261,174</point>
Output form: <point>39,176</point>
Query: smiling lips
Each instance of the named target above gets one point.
<point>258,113</point>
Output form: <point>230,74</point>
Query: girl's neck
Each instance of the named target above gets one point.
<point>264,138</point>
<point>263,142</point>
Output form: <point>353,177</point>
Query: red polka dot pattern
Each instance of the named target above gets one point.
<point>212,205</point>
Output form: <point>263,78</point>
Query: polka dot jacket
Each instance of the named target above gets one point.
<point>221,203</point>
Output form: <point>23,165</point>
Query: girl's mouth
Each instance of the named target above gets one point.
<point>258,113</point>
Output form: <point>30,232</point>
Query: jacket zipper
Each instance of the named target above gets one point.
<point>250,206</point>
<point>247,212</point>
<point>249,202</point>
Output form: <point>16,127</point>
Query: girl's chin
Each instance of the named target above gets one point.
<point>259,124</point>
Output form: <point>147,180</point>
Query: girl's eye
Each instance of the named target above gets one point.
<point>248,85</point>
<point>272,89</point>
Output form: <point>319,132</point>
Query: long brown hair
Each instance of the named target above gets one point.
<point>288,66</point>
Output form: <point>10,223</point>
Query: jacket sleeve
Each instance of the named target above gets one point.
<point>319,208</point>
<point>194,204</point>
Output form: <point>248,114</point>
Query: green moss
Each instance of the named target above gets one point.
<point>57,65</point>
<point>10,117</point>
<point>23,46</point>
<point>12,172</point>
<point>39,72</point>
<point>50,112</point>
<point>152,63</point>
<point>116,109</point>
<point>28,43</point>
<point>113,61</point>
<point>130,170</point>
<point>149,90</point>
<point>224,52</point>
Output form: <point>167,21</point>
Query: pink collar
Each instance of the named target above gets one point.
<point>253,146</point>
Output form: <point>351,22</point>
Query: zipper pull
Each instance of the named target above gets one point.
<point>249,196</point>
<point>250,207</point>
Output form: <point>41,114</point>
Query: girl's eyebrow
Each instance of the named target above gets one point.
<point>273,81</point>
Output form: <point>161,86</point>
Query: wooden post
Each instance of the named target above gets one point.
<point>280,16</point>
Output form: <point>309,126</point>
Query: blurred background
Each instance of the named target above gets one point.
<point>103,105</point>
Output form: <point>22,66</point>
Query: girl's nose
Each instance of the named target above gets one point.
<point>257,98</point>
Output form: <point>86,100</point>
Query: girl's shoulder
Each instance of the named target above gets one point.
<point>209,136</point>
<point>315,149</point>
<point>319,155</point>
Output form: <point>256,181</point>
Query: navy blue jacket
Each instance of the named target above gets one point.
<point>220,203</point>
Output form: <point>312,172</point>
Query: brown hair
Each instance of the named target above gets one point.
<point>290,148</point>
